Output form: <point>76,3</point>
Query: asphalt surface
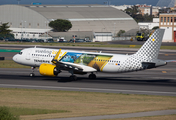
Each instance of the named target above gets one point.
<point>128,115</point>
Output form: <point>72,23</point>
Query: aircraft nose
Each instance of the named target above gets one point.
<point>15,58</point>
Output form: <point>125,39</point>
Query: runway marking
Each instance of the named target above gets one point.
<point>164,72</point>
<point>90,89</point>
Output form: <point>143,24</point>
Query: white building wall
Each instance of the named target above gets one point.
<point>121,7</point>
<point>28,33</point>
<point>156,20</point>
<point>167,34</point>
<point>147,11</point>
<point>155,11</point>
<point>147,25</point>
<point>102,38</point>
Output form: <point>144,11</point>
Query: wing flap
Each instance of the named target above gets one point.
<point>74,67</point>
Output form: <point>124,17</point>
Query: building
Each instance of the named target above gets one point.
<point>149,25</point>
<point>155,11</point>
<point>31,21</point>
<point>122,7</point>
<point>145,9</point>
<point>168,22</point>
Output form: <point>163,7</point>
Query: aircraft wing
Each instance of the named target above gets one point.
<point>71,66</point>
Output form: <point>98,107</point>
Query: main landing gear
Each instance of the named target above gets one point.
<point>92,76</point>
<point>73,77</point>
<point>32,74</point>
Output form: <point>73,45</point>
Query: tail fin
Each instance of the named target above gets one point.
<point>151,47</point>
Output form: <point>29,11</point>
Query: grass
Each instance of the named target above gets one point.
<point>11,64</point>
<point>87,44</point>
<point>162,117</point>
<point>30,111</point>
<point>72,104</point>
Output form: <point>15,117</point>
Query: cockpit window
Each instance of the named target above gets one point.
<point>20,53</point>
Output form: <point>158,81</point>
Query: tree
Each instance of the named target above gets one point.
<point>60,25</point>
<point>120,32</point>
<point>4,29</point>
<point>134,12</point>
<point>156,27</point>
<point>5,32</point>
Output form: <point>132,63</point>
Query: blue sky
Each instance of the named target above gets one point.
<point>114,2</point>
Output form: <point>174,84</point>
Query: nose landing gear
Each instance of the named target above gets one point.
<point>32,74</point>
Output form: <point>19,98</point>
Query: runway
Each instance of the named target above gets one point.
<point>157,81</point>
<point>149,82</point>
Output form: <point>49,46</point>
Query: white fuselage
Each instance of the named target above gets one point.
<point>103,62</point>
<point>36,56</point>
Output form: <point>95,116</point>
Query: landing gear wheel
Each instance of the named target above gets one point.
<point>73,78</point>
<point>92,76</point>
<point>31,74</point>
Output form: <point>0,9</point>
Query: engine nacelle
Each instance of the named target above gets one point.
<point>48,70</point>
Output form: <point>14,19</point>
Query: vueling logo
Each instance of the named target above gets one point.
<point>55,52</point>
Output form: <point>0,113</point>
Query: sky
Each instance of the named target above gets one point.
<point>66,2</point>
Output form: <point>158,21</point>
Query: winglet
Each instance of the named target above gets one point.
<point>56,57</point>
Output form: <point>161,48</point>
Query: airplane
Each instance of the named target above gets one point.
<point>51,62</point>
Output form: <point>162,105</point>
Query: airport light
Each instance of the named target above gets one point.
<point>25,28</point>
<point>46,22</point>
<point>21,29</point>
<point>114,28</point>
<point>74,36</point>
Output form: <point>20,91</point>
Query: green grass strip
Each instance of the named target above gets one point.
<point>30,111</point>
<point>11,64</point>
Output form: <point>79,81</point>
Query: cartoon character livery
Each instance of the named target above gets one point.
<point>52,61</point>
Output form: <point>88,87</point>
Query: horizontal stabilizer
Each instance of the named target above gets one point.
<point>170,60</point>
<point>148,65</point>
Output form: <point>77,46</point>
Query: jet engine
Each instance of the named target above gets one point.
<point>48,70</point>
